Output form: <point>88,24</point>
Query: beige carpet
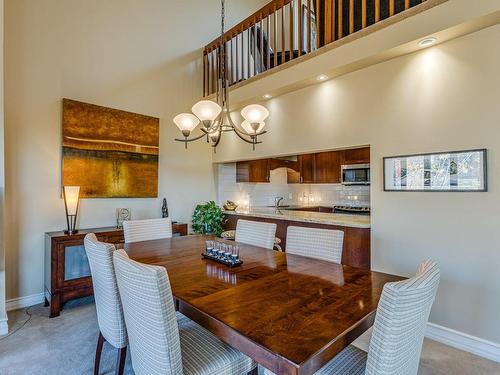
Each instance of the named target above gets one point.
<point>66,345</point>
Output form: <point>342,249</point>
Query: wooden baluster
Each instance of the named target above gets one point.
<point>407,4</point>
<point>299,22</point>
<point>377,11</point>
<point>214,67</point>
<point>391,7</point>
<point>341,31</point>
<point>255,47</point>
<point>262,68</point>
<point>268,50</point>
<point>334,2</point>
<point>283,34</point>
<point>292,32</point>
<point>309,33</point>
<point>228,62</point>
<point>319,29</point>
<point>248,53</point>
<point>237,58</point>
<point>363,14</point>
<point>328,22</point>
<point>351,16</point>
<point>275,36</point>
<point>204,74</point>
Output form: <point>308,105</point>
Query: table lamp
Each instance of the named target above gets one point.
<point>71,196</point>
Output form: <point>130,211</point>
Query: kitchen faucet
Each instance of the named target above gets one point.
<point>277,201</point>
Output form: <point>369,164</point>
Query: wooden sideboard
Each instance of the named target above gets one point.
<point>67,272</point>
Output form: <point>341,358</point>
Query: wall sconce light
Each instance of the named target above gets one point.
<point>71,195</point>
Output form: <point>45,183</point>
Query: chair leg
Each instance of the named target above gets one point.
<point>98,351</point>
<point>120,361</point>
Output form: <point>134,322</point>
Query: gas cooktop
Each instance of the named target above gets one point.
<point>355,210</point>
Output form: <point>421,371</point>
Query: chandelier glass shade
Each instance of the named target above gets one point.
<point>215,117</point>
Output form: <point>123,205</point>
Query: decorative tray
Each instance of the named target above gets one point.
<point>226,262</point>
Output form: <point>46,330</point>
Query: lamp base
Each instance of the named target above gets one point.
<point>71,232</point>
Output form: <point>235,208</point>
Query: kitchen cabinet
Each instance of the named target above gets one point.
<point>252,171</point>
<point>306,168</point>
<point>357,155</point>
<point>327,167</point>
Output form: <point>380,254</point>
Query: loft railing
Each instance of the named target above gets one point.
<point>284,30</point>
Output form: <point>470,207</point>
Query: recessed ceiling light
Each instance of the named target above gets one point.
<point>427,42</point>
<point>322,77</point>
<point>267,96</point>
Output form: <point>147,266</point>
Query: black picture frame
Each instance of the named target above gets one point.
<point>484,156</point>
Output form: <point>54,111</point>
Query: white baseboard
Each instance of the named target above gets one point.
<point>22,302</point>
<point>463,341</point>
<point>4,327</point>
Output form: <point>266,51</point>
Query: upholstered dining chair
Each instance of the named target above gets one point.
<point>161,341</point>
<point>325,244</point>
<point>255,233</point>
<point>398,331</point>
<point>107,301</point>
<point>148,229</point>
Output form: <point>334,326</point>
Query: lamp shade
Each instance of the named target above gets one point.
<point>186,122</point>
<point>250,130</point>
<point>255,113</point>
<point>71,196</point>
<point>206,110</point>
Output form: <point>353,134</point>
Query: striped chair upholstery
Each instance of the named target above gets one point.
<point>400,324</point>
<point>107,298</point>
<point>255,233</point>
<point>316,243</point>
<point>149,229</point>
<point>160,342</point>
<point>398,331</point>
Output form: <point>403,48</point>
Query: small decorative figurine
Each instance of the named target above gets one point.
<point>122,214</point>
<point>164,208</point>
<point>230,206</point>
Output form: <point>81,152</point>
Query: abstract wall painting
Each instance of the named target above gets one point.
<point>460,171</point>
<point>109,153</point>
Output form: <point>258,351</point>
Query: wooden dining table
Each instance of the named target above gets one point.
<point>291,314</point>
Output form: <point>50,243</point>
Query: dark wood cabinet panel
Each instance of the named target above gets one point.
<point>357,155</point>
<point>317,168</point>
<point>356,249</point>
<point>328,167</point>
<point>252,171</point>
<point>306,168</point>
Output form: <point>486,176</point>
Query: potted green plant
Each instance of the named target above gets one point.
<point>208,218</point>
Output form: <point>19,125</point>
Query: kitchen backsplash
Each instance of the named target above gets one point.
<point>263,194</point>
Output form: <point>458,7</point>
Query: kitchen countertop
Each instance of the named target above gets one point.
<point>356,221</point>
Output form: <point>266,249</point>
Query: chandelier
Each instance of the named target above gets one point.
<point>215,116</point>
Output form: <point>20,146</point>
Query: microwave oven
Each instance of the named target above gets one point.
<point>355,174</point>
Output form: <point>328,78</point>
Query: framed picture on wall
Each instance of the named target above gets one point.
<point>460,171</point>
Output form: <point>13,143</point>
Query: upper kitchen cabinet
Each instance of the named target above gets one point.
<point>306,168</point>
<point>357,155</point>
<point>252,171</point>
<point>327,167</point>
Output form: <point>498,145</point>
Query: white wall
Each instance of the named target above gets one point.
<point>3,314</point>
<point>439,99</point>
<point>140,56</point>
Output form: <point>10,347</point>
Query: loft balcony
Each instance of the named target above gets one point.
<point>284,45</point>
